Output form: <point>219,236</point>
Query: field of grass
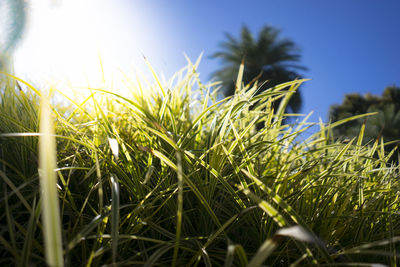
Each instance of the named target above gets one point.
<point>173,176</point>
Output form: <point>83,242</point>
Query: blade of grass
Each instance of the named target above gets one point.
<point>49,200</point>
<point>179,173</point>
<point>26,251</point>
<point>115,194</point>
<point>239,77</point>
<point>230,254</point>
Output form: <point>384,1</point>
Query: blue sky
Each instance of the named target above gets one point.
<point>348,46</point>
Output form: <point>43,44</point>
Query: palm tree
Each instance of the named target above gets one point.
<point>268,58</point>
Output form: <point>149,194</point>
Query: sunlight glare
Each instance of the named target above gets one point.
<point>61,42</point>
<point>65,41</point>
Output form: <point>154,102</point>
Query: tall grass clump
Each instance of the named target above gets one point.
<point>171,175</point>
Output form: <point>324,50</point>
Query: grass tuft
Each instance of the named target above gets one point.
<point>169,174</point>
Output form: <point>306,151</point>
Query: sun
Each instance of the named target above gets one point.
<point>59,42</point>
<point>79,41</point>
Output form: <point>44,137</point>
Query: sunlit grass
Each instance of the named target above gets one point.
<point>48,183</point>
<point>176,176</point>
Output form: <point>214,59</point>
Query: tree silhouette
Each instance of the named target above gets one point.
<point>267,57</point>
<point>385,124</point>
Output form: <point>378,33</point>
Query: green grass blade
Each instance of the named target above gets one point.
<point>26,251</point>
<point>239,77</point>
<point>230,254</point>
<point>22,81</point>
<point>115,194</point>
<point>86,229</point>
<point>263,253</point>
<point>156,255</point>
<point>16,191</point>
<point>268,208</point>
<point>180,207</point>
<point>48,181</point>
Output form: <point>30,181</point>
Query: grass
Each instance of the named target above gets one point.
<point>48,184</point>
<point>173,176</point>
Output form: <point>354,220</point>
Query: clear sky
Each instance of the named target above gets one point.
<point>348,45</point>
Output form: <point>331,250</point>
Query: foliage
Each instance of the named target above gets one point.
<point>386,123</point>
<point>266,58</point>
<point>171,176</point>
